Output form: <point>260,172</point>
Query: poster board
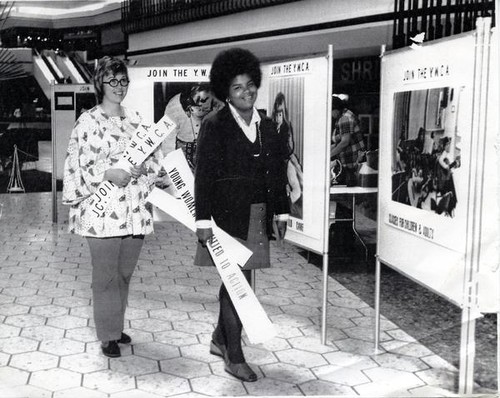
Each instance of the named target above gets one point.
<point>428,122</point>
<point>302,83</point>
<point>182,92</point>
<point>68,102</point>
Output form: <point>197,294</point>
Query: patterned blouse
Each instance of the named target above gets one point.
<point>96,144</point>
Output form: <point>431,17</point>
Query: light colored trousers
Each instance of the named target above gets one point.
<point>113,263</point>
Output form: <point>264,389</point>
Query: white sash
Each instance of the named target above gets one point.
<point>226,251</point>
<point>142,144</point>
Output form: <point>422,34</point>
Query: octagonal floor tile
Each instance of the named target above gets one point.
<point>160,383</point>
<point>176,338</point>
<point>350,360</point>
<point>67,322</point>
<point>341,375</point>
<point>393,379</point>
<point>25,320</point>
<point>134,365</point>
<point>79,392</point>
<point>71,302</point>
<point>33,301</point>
<point>400,362</point>
<point>151,325</point>
<point>325,388</point>
<point>13,309</point>
<point>270,387</point>
<point>137,394</point>
<point>155,350</point>
<point>287,373</point>
<point>185,367</point>
<point>33,361</point>
<point>85,334</point>
<point>62,347</point>
<point>55,379</point>
<point>25,391</point>
<point>301,358</point>
<point>108,381</point>
<point>84,362</point>
<point>42,333</point>
<point>49,310</point>
<point>13,377</point>
<point>311,344</point>
<point>218,386</point>
<point>199,352</point>
<point>15,345</point>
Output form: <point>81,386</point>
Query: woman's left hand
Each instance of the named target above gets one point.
<point>281,227</point>
<point>137,171</point>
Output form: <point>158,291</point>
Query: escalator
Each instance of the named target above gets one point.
<point>60,68</point>
<point>44,73</point>
<point>74,70</point>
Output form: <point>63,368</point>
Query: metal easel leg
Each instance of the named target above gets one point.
<point>467,352</point>
<point>354,226</point>
<point>377,305</point>
<point>325,299</point>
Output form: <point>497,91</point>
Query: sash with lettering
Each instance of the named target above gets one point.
<point>144,141</point>
<point>225,250</point>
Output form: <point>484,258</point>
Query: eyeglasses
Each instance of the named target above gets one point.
<point>114,82</point>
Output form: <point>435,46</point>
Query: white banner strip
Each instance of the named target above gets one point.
<point>253,317</point>
<point>144,141</point>
<point>180,174</point>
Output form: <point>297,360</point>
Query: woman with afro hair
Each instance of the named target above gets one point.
<point>240,182</point>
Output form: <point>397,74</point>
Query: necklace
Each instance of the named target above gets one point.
<point>259,137</point>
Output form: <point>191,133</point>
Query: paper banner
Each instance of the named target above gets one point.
<point>180,174</point>
<point>144,141</point>
<point>223,248</point>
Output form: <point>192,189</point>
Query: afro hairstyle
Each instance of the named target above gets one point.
<point>231,63</point>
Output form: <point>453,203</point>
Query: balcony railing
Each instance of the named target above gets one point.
<point>437,18</point>
<point>144,15</point>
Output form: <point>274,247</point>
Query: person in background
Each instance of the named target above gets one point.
<point>240,182</point>
<point>188,112</point>
<point>347,147</point>
<point>294,169</point>
<point>347,141</point>
<point>97,142</point>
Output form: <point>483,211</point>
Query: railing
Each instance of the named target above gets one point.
<point>437,18</point>
<point>144,15</point>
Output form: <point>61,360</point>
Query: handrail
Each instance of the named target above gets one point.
<point>144,15</point>
<point>436,18</point>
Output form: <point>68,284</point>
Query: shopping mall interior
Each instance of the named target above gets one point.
<point>353,326</point>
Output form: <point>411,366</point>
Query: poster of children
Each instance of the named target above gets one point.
<point>426,149</point>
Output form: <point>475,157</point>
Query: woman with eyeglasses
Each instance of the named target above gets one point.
<point>240,182</point>
<point>97,142</point>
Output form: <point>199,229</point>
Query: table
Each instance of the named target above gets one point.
<point>354,191</point>
<point>334,191</point>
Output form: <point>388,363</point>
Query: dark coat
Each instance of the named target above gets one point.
<point>224,173</point>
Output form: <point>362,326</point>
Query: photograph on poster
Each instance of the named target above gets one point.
<point>286,96</point>
<point>426,149</point>
<point>187,104</point>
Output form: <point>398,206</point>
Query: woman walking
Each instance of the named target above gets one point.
<point>240,182</point>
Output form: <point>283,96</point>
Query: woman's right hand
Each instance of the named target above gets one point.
<point>118,177</point>
<point>204,235</point>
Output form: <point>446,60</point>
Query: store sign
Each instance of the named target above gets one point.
<point>360,69</point>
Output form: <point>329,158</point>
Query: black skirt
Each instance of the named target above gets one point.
<point>257,241</point>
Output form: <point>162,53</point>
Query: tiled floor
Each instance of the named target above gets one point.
<point>48,346</point>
